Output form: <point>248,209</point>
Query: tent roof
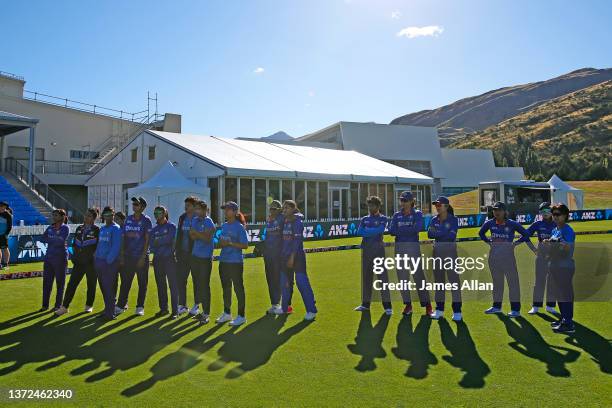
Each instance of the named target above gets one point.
<point>167,177</point>
<point>558,184</point>
<point>261,158</point>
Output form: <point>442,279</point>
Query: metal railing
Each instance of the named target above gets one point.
<point>84,107</point>
<point>43,190</point>
<point>61,167</point>
<point>12,76</point>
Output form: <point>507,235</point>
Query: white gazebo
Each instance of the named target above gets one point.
<point>561,192</point>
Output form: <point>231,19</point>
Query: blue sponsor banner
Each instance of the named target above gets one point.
<point>30,248</point>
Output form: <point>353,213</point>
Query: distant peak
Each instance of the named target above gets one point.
<point>278,136</point>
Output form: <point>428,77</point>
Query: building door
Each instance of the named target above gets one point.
<point>336,203</point>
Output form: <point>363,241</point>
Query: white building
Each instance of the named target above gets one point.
<point>326,183</point>
<point>72,139</point>
<point>416,148</point>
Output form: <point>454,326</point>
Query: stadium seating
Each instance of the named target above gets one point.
<point>22,209</point>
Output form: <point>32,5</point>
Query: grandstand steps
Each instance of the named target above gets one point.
<point>35,200</point>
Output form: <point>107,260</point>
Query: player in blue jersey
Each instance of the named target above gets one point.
<point>202,233</point>
<point>443,229</point>
<point>106,261</point>
<point>371,229</point>
<point>135,233</point>
<point>562,267</point>
<point>233,240</point>
<point>272,255</point>
<point>56,258</point>
<point>543,229</point>
<point>293,261</point>
<point>405,226</point>
<point>502,262</point>
<point>164,263</point>
<point>184,248</point>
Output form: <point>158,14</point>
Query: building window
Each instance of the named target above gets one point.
<point>363,198</point>
<point>231,189</point>
<point>83,155</point>
<point>300,194</point>
<point>151,152</point>
<point>260,200</point>
<point>134,155</point>
<point>311,200</point>
<point>382,193</point>
<point>274,189</point>
<point>354,204</point>
<point>323,200</point>
<point>213,184</point>
<point>391,201</point>
<point>246,198</point>
<point>287,190</point>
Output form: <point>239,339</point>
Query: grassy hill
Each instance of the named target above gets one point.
<point>570,136</point>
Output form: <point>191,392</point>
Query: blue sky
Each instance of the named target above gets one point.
<point>251,68</point>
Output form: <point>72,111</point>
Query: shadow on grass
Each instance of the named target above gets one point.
<point>529,342</point>
<point>368,341</point>
<point>27,317</point>
<point>591,342</point>
<point>464,354</point>
<point>54,341</point>
<point>254,345</point>
<point>413,346</point>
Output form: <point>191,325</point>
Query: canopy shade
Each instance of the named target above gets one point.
<point>561,192</point>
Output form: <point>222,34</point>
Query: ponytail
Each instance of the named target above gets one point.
<point>451,210</point>
<point>240,217</point>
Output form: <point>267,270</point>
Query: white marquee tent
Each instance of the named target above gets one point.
<point>168,187</point>
<point>561,192</point>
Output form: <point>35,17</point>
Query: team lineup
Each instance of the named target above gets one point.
<point>112,255</point>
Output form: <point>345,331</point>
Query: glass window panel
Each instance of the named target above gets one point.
<point>300,194</point>
<point>311,200</point>
<point>231,189</point>
<point>213,184</point>
<point>260,200</point>
<point>363,198</point>
<point>287,190</point>
<point>246,197</point>
<point>390,200</point>
<point>274,189</point>
<point>354,204</point>
<point>382,192</point>
<point>323,199</point>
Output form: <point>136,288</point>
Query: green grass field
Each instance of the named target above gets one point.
<point>343,358</point>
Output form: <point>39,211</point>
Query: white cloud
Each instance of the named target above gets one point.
<point>258,70</point>
<point>396,14</point>
<point>426,31</point>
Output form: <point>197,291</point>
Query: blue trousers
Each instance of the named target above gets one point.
<point>165,275</point>
<point>201,269</point>
<point>445,250</point>
<point>272,263</point>
<point>54,270</point>
<point>562,287</point>
<point>504,266</point>
<point>542,282</point>
<point>413,250</point>
<point>301,279</point>
<point>107,276</point>
<point>131,268</point>
<point>183,268</point>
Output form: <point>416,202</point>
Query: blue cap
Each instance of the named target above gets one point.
<point>442,200</point>
<point>545,207</point>
<point>406,196</point>
<point>230,204</point>
<point>499,206</point>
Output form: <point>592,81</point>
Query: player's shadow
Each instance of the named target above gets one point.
<point>24,318</point>
<point>464,354</point>
<point>591,342</point>
<point>253,346</point>
<point>529,342</point>
<point>180,361</point>
<point>413,346</point>
<point>368,341</point>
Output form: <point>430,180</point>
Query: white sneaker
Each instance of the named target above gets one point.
<point>457,317</point>
<point>274,310</point>
<point>88,309</point>
<point>310,316</point>
<point>533,310</point>
<point>119,310</point>
<point>493,310</point>
<point>437,314</point>
<point>194,310</point>
<point>278,311</point>
<point>238,321</point>
<point>388,312</point>
<point>514,313</point>
<point>552,310</point>
<point>224,317</point>
<point>61,310</point>
<point>361,308</point>
<point>139,311</point>
<point>204,318</point>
